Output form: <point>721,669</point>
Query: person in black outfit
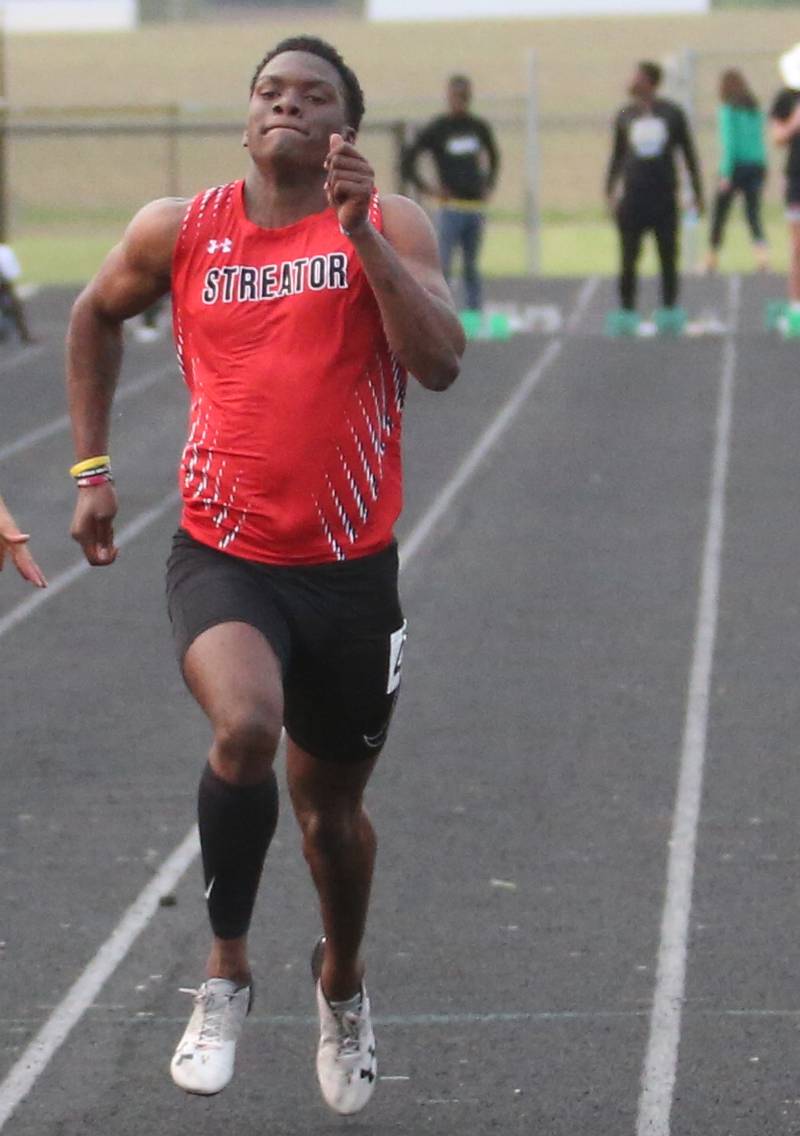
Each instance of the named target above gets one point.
<point>641,183</point>
<point>785,130</point>
<point>466,160</point>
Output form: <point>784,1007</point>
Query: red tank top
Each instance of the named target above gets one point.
<point>293,454</point>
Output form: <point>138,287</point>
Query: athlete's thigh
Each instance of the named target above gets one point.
<point>794,231</point>
<point>317,785</point>
<point>339,704</point>
<point>234,674</point>
<point>342,684</point>
<point>230,636</point>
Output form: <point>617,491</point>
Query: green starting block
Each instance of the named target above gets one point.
<point>670,321</point>
<point>622,323</point>
<point>485,325</point>
<point>779,316</point>
<point>774,311</point>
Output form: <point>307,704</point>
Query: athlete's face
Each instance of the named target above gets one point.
<point>641,85</point>
<point>298,101</point>
<point>459,96</point>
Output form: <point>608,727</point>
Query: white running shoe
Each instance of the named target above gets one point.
<point>203,1061</point>
<point>346,1066</point>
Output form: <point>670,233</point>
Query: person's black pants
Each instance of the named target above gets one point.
<point>747,178</point>
<point>633,224</point>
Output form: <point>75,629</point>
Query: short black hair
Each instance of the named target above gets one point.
<point>354,95</point>
<point>459,81</point>
<point>653,71</point>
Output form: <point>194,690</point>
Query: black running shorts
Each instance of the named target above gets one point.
<point>337,629</point>
<point>792,197</point>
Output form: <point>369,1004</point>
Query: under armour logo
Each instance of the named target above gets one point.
<point>225,245</point>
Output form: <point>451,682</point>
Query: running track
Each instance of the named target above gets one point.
<point>585,916</point>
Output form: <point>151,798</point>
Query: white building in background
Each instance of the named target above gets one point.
<point>475,9</point>
<point>69,15</point>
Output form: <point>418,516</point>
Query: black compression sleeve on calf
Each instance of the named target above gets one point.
<point>237,823</point>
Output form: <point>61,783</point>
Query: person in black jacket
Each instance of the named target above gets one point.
<point>785,131</point>
<point>466,161</point>
<point>641,182</point>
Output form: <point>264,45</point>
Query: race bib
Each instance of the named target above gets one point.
<point>397,642</point>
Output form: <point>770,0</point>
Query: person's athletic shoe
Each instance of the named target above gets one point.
<point>203,1061</point>
<point>346,1066</point>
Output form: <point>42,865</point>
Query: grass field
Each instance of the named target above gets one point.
<point>567,249</point>
<point>69,198</point>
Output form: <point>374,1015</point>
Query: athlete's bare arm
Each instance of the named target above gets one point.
<point>783,130</point>
<point>15,543</point>
<point>135,274</point>
<point>402,266</point>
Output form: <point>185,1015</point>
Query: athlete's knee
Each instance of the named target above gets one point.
<point>334,827</point>
<point>245,740</point>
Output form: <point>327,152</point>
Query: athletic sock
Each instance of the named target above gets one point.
<point>237,823</point>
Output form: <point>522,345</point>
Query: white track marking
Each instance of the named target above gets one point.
<point>585,294</point>
<point>496,428</point>
<point>82,993</point>
<point>661,1060</point>
<point>465,471</point>
<point>56,425</point>
<point>63,580</point>
<point>38,1054</point>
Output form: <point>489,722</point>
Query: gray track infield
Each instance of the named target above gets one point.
<point>585,916</point>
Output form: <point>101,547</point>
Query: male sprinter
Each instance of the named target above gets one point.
<point>641,182</point>
<point>467,162</point>
<point>300,301</point>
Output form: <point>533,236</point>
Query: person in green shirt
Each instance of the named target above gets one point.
<point>742,165</point>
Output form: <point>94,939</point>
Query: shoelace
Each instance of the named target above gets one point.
<point>348,1044</point>
<point>212,1017</point>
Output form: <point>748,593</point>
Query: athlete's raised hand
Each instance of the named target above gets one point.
<point>14,542</point>
<point>350,183</point>
<point>93,523</point>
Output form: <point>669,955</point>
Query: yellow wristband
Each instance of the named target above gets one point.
<point>88,463</point>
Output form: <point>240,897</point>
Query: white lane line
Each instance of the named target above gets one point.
<point>661,1060</point>
<point>38,1054</point>
<point>585,294</point>
<point>63,580</point>
<point>82,993</point>
<point>56,425</point>
<point>466,470</point>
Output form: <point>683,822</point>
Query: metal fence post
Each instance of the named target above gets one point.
<point>688,73</point>
<point>399,133</point>
<point>533,220</point>
<point>173,152</point>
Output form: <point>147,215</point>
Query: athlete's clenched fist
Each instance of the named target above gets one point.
<point>350,183</point>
